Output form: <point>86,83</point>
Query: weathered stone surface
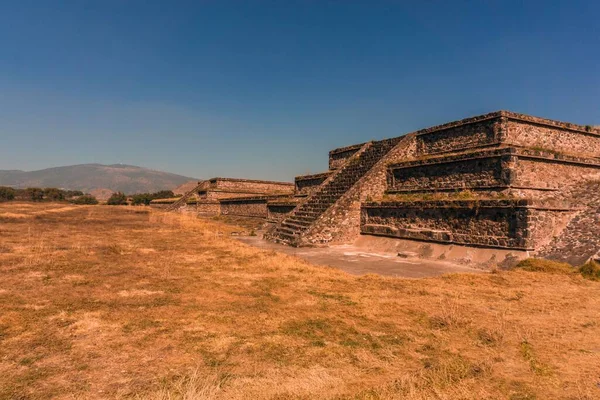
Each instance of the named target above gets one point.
<point>206,207</point>
<point>245,206</point>
<point>337,157</point>
<point>580,240</point>
<point>496,169</point>
<point>250,186</point>
<point>306,184</point>
<point>508,128</point>
<point>277,211</point>
<point>517,224</point>
<point>251,206</point>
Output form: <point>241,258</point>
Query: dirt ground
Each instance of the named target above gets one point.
<point>357,261</point>
<point>100,302</point>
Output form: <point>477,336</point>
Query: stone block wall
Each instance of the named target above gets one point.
<point>516,224</point>
<point>497,169</point>
<point>579,241</point>
<point>219,194</point>
<point>544,224</point>
<point>277,211</point>
<point>509,129</point>
<point>337,157</point>
<point>471,170</point>
<point>542,169</point>
<point>540,133</point>
<point>251,186</point>
<point>208,208</point>
<point>246,206</point>
<point>456,136</point>
<point>306,184</point>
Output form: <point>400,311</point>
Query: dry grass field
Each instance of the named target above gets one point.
<point>125,303</point>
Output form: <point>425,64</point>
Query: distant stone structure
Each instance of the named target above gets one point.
<point>501,180</point>
<point>208,197</point>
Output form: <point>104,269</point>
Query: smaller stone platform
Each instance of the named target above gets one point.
<point>206,199</point>
<point>250,206</point>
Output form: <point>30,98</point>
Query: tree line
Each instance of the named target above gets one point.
<point>138,199</point>
<point>78,197</point>
<point>46,194</point>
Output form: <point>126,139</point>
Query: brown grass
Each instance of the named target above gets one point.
<point>114,302</point>
<point>547,266</point>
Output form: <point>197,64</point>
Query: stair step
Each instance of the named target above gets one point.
<point>305,213</point>
<point>297,221</point>
<point>286,230</point>
<point>295,227</point>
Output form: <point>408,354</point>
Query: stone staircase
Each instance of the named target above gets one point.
<point>183,199</point>
<point>292,228</point>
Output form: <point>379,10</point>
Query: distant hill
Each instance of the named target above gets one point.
<point>95,177</point>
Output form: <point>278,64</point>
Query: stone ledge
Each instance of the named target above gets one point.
<point>243,199</point>
<point>346,148</point>
<point>243,192</point>
<point>249,181</point>
<point>470,204</point>
<point>429,235</point>
<point>165,201</point>
<point>514,116</point>
<point>522,152</point>
<point>313,176</point>
<point>484,188</point>
<point>284,203</point>
<point>587,130</point>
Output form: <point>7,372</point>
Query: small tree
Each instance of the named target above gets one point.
<point>7,193</point>
<point>54,194</point>
<point>117,199</point>
<point>73,193</point>
<point>85,199</point>
<point>141,198</point>
<point>163,194</point>
<point>34,194</point>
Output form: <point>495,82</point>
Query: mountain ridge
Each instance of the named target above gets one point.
<point>89,177</point>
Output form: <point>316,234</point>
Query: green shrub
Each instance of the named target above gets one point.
<point>145,198</point>
<point>72,193</point>
<point>85,199</point>
<point>7,193</point>
<point>54,194</point>
<point>34,194</point>
<point>141,198</point>
<point>542,265</point>
<point>117,199</point>
<point>163,194</point>
<point>590,270</point>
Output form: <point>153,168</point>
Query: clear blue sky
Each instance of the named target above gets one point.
<point>263,89</point>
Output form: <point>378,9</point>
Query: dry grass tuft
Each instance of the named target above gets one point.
<point>194,386</point>
<point>590,270</point>
<point>542,265</point>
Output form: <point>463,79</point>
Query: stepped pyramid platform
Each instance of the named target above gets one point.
<point>205,198</point>
<point>502,180</point>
